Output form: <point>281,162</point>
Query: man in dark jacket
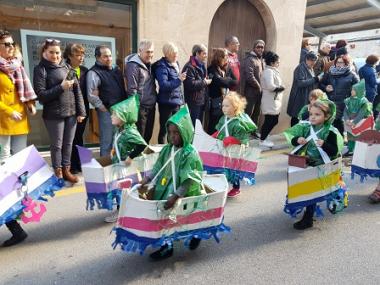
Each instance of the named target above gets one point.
<point>140,79</point>
<point>251,70</point>
<point>195,84</point>
<point>105,87</point>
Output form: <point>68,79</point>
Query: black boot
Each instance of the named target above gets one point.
<point>194,243</point>
<point>164,252</point>
<point>18,234</point>
<point>307,219</point>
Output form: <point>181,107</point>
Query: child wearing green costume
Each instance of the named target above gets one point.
<point>234,127</point>
<point>328,141</point>
<point>375,195</point>
<point>314,95</point>
<point>177,172</point>
<point>127,143</point>
<point>357,107</point>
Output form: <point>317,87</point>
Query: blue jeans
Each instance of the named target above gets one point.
<point>196,113</point>
<point>105,132</point>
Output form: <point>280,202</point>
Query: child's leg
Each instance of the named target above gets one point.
<point>235,191</point>
<point>307,219</point>
<point>375,196</point>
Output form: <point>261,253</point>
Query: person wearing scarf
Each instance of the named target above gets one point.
<point>337,84</point>
<point>15,90</point>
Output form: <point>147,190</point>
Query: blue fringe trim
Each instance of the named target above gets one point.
<point>49,187</point>
<point>335,202</point>
<point>103,200</point>
<point>363,172</point>
<point>130,242</point>
<point>233,175</point>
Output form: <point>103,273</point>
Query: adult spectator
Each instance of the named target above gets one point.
<point>58,90</point>
<point>337,84</point>
<point>304,80</point>
<point>271,101</point>
<point>323,59</point>
<point>196,82</point>
<point>305,48</point>
<point>140,79</point>
<point>368,73</point>
<point>222,80</point>
<point>74,56</point>
<point>14,125</point>
<point>251,71</point>
<point>169,78</point>
<point>105,87</point>
<point>232,45</point>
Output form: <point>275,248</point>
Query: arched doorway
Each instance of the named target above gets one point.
<point>244,19</point>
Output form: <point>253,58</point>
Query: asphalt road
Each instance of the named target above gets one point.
<point>73,246</point>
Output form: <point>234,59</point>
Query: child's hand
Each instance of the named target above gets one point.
<point>171,201</point>
<point>301,140</point>
<point>128,161</point>
<point>319,143</point>
<point>144,181</point>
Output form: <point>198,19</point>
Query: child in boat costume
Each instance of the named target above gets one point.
<point>327,142</point>
<point>314,95</point>
<point>357,108</point>
<point>127,143</point>
<point>181,158</point>
<point>234,127</point>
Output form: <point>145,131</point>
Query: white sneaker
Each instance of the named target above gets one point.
<point>266,143</point>
<point>112,218</point>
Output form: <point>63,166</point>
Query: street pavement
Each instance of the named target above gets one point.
<point>73,246</point>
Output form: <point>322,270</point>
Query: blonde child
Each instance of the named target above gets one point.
<point>234,127</point>
<point>314,95</point>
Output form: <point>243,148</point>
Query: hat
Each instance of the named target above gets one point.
<point>359,88</point>
<point>311,56</point>
<point>127,110</point>
<point>341,51</point>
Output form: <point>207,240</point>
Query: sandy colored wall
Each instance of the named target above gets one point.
<point>186,22</point>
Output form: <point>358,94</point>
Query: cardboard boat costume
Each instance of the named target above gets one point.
<point>101,176</point>
<point>25,178</point>
<point>237,161</point>
<point>321,180</point>
<point>199,213</point>
<point>359,110</point>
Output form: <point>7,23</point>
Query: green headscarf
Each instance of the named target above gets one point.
<point>359,102</point>
<point>127,110</point>
<point>182,120</point>
<point>359,89</point>
<point>302,129</point>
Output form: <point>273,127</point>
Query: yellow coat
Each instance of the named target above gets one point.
<point>9,102</point>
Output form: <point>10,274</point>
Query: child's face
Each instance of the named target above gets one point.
<point>115,120</point>
<point>353,93</point>
<point>227,108</point>
<point>174,135</point>
<point>316,116</point>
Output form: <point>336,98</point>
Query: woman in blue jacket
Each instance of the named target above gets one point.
<point>368,73</point>
<point>169,78</point>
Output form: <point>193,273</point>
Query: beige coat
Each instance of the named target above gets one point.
<point>271,101</point>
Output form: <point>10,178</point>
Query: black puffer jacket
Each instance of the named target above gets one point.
<point>57,103</point>
<point>342,85</point>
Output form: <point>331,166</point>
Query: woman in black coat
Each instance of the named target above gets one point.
<point>337,83</point>
<point>74,56</point>
<point>57,89</point>
<point>222,80</point>
<point>304,80</point>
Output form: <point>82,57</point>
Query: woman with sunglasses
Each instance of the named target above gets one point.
<point>58,90</point>
<point>15,91</point>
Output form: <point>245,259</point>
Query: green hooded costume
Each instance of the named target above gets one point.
<point>310,149</point>
<point>127,137</point>
<point>187,163</point>
<point>239,127</point>
<point>357,107</point>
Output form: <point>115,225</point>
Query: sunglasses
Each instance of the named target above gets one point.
<point>9,44</point>
<point>261,47</point>
<point>52,41</point>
